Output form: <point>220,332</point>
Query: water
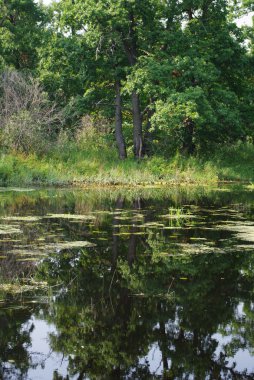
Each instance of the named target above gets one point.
<point>144,284</point>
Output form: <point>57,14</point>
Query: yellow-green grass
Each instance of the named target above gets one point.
<point>72,164</point>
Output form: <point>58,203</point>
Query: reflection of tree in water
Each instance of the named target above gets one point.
<point>14,343</point>
<point>120,302</point>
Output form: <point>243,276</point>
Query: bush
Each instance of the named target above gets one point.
<point>93,130</point>
<point>29,121</point>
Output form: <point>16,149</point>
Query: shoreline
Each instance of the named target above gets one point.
<point>81,168</point>
<point>93,185</point>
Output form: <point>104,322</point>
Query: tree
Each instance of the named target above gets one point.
<point>21,26</point>
<point>179,72</point>
<point>196,84</point>
<point>117,33</point>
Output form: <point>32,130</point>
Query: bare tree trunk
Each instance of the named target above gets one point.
<point>137,125</point>
<point>119,125</point>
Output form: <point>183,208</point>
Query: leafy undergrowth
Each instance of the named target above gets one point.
<point>75,165</point>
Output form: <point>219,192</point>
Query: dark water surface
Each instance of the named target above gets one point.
<point>144,284</point>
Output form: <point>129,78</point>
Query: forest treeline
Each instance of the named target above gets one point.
<point>153,77</point>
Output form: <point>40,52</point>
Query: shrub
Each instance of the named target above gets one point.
<point>28,120</point>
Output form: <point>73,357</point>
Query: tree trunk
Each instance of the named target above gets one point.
<point>147,134</point>
<point>119,125</point>
<point>137,125</point>
<point>130,47</point>
<point>188,146</point>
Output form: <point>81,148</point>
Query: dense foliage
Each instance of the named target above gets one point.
<point>163,76</point>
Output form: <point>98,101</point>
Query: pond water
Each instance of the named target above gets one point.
<point>121,284</point>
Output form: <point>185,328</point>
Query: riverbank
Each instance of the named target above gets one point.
<point>71,165</point>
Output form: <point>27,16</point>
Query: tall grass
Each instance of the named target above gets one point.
<point>235,162</point>
<point>72,163</point>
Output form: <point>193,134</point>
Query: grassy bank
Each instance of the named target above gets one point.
<point>72,164</point>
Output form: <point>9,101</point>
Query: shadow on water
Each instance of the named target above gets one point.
<point>154,284</point>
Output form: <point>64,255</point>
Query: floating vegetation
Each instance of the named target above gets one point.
<point>22,218</point>
<point>18,288</point>
<point>103,212</point>
<point>70,216</point>
<point>123,217</point>
<point>177,213</point>
<point>122,233</point>
<point>198,248</point>
<point>243,231</point>
<point>244,246</point>
<point>28,259</point>
<point>34,254</point>
<point>10,240</point>
<point>6,229</point>
<point>121,225</point>
<point>129,233</point>
<point>174,228</point>
<point>250,186</point>
<point>178,216</point>
<point>138,217</point>
<point>24,252</point>
<point>151,224</point>
<point>69,245</point>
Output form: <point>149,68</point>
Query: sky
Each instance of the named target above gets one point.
<point>245,20</point>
